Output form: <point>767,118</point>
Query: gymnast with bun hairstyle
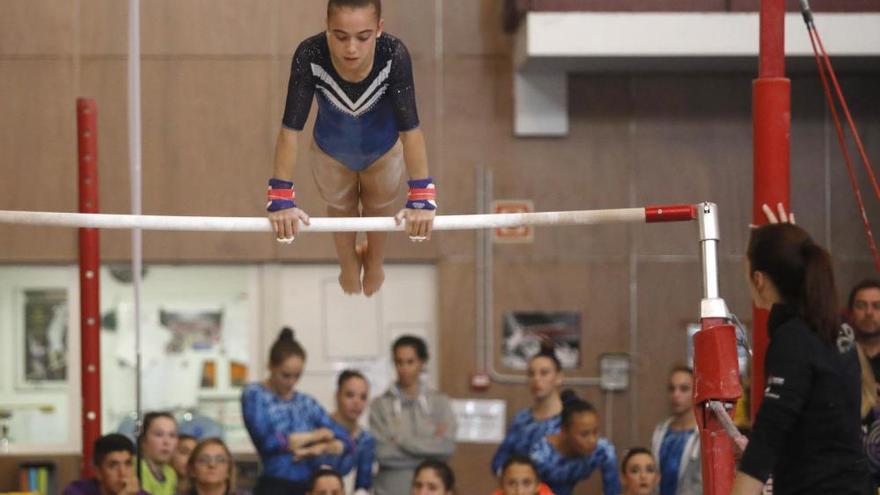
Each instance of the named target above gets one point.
<point>289,429</point>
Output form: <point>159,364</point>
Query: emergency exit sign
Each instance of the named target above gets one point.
<point>523,234</point>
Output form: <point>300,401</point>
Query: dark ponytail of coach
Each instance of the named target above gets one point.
<point>802,273</point>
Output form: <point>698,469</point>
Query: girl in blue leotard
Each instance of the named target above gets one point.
<point>289,429</point>
<point>366,133</point>
<point>545,380</point>
<point>572,454</point>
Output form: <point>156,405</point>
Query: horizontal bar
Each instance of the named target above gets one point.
<point>364,224</point>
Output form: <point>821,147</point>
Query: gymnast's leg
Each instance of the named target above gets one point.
<point>379,187</point>
<point>338,186</point>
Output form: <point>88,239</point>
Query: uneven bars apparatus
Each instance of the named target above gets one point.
<point>652,214</point>
<point>716,369</point>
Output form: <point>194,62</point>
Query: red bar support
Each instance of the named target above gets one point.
<point>89,289</point>
<point>716,378</point>
<point>771,114</point>
<point>670,213</point>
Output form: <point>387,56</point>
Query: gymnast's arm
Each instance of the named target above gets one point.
<point>300,92</point>
<point>265,437</point>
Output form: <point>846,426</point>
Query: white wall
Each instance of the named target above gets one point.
<point>338,332</point>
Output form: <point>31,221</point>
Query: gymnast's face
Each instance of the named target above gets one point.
<point>428,482</point>
<point>519,479</point>
<point>408,365</point>
<point>544,378</point>
<point>351,36</point>
<point>582,435</point>
<point>283,377</point>
<point>681,392</point>
<point>351,398</point>
<point>640,476</point>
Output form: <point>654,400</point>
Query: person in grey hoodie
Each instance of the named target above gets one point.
<point>411,423</point>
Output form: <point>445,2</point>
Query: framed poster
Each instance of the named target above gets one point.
<point>43,326</point>
<point>524,332</point>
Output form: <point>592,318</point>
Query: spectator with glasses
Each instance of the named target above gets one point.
<point>211,470</point>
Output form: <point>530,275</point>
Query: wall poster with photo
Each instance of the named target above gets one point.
<point>523,333</point>
<point>44,323</point>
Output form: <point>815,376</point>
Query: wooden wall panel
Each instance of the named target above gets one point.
<point>207,27</point>
<point>692,140</point>
<point>37,27</point>
<point>474,28</point>
<point>103,29</point>
<point>37,154</point>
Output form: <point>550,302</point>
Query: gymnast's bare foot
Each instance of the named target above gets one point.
<point>350,272</point>
<point>374,271</point>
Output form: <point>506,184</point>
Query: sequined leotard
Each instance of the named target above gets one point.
<point>357,122</point>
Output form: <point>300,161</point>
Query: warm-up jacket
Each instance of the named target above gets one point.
<point>807,433</point>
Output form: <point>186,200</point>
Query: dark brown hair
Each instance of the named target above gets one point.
<point>572,404</point>
<point>324,472</point>
<point>354,4</point>
<point>416,343</point>
<point>347,375</point>
<point>444,472</point>
<point>868,283</point>
<point>801,271</point>
<point>632,453</point>
<point>284,347</point>
<point>681,368</point>
<point>548,351</point>
<point>148,420</point>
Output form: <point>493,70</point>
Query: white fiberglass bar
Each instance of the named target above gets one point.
<point>364,224</point>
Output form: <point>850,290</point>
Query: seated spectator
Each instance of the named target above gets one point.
<point>519,476</point>
<point>545,382</point>
<point>326,481</point>
<point>639,472</point>
<point>352,396</point>
<point>433,478</point>
<point>211,469</point>
<point>113,460</point>
<point>157,441</point>
<point>676,440</point>
<point>180,459</point>
<point>570,455</point>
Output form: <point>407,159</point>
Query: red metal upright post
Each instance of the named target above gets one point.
<point>89,289</point>
<point>771,118</point>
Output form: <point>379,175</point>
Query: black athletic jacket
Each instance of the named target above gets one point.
<point>808,430</point>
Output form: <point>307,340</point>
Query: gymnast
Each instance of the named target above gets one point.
<point>366,132</point>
